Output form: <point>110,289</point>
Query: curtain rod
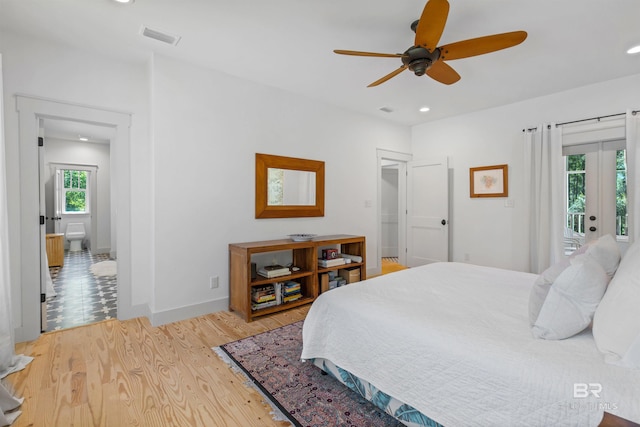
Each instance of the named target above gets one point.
<point>634,112</point>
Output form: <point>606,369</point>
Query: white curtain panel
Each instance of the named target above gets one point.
<point>9,361</point>
<point>544,191</point>
<point>633,175</point>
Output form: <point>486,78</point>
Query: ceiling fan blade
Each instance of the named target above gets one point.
<point>356,53</point>
<point>388,76</point>
<point>443,73</point>
<point>481,45</point>
<point>431,24</point>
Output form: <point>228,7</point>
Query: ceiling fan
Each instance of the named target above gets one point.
<point>424,57</point>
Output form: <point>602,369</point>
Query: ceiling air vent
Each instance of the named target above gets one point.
<point>160,35</point>
<point>386,109</point>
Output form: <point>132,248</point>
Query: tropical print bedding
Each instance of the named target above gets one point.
<point>406,414</point>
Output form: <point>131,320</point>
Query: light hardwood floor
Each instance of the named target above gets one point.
<point>128,373</point>
<point>389,267</point>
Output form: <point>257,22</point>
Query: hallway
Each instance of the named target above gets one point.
<point>82,298</point>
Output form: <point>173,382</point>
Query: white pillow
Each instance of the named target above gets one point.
<point>543,283</point>
<point>541,288</point>
<point>572,300</point>
<point>606,252</point>
<point>616,325</point>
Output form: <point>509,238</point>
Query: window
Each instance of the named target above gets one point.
<point>75,194</point>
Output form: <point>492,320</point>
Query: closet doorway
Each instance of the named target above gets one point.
<point>422,207</point>
<point>392,205</point>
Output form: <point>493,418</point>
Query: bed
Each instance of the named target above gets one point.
<point>451,344</point>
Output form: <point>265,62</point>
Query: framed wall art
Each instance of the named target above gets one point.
<point>489,181</point>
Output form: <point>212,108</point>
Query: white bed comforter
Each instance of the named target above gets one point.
<point>453,341</point>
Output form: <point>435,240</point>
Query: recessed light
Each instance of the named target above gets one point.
<point>124,1</point>
<point>635,49</point>
<point>83,138</point>
<point>424,109</point>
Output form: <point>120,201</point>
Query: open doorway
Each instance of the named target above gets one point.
<point>76,174</point>
<point>32,258</point>
<point>392,205</point>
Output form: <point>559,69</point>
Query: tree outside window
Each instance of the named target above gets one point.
<point>621,194</point>
<point>75,191</point>
<point>576,192</point>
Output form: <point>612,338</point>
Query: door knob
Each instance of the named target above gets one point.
<point>443,222</point>
<point>592,229</point>
<point>592,218</point>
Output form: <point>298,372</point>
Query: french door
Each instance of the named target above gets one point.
<point>595,191</point>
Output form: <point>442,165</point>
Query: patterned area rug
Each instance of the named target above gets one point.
<point>301,391</point>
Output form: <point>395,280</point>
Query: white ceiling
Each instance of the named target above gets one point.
<point>73,131</point>
<point>288,44</point>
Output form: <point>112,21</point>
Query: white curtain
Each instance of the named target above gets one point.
<point>633,175</point>
<point>544,191</point>
<point>9,361</point>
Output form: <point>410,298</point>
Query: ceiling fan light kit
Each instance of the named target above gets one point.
<point>424,57</point>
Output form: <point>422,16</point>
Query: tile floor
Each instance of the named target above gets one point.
<point>81,297</point>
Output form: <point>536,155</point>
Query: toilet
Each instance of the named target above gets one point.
<point>75,234</point>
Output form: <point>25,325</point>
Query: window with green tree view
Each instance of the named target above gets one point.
<point>75,191</point>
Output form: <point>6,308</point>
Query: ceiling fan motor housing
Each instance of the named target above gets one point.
<point>419,60</point>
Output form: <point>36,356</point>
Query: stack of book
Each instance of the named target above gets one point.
<point>271,271</point>
<point>263,297</point>
<point>291,291</point>
<point>331,262</point>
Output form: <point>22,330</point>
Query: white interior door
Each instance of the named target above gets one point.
<point>427,212</point>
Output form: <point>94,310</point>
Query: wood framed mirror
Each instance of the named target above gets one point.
<point>288,187</point>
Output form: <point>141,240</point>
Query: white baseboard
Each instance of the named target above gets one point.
<point>187,312</point>
<point>140,310</point>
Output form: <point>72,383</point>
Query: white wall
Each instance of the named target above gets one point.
<point>490,233</point>
<point>75,152</point>
<point>52,71</point>
<point>207,127</point>
<point>194,134</point>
